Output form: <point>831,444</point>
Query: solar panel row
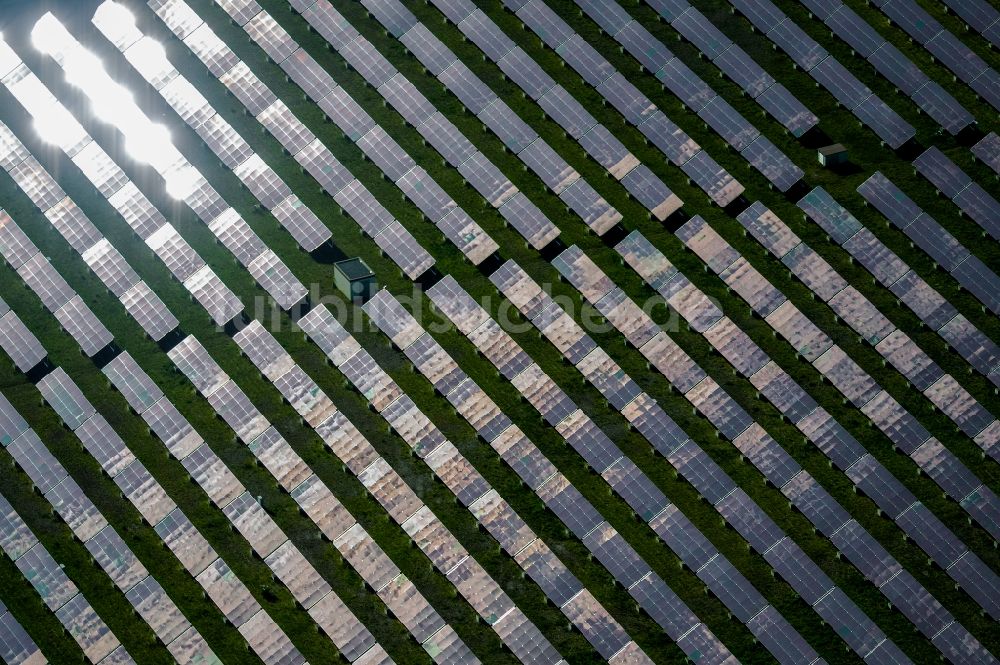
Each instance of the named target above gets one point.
<point>520,138</point>
<point>987,150</point>
<point>635,107</point>
<point>225,490</point>
<point>531,464</point>
<point>101,539</point>
<point>57,296</point>
<point>945,47</point>
<point>317,159</point>
<point>620,473</point>
<point>774,384</point>
<point>62,597</point>
<point>734,62</point>
<point>385,484</point>
<point>477,170</point>
<point>693,91</point>
<point>979,15</point>
<point>646,415</point>
<point>17,341</point>
<point>16,646</point>
<point>134,207</point>
<point>808,54</point>
<point>860,633</point>
<point>932,309</point>
<point>204,201</point>
<point>894,345</point>
<point>177,532</point>
<point>398,410</point>
<point>925,232</point>
<point>950,180</point>
<point>892,64</point>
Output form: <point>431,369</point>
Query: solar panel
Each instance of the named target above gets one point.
<point>721,187</point>
<point>769,457</point>
<point>869,251</point>
<point>735,346</point>
<point>483,33</point>
<point>608,639</point>
<point>750,285</point>
<point>830,437</point>
<point>406,99</point>
<point>15,245</point>
<point>308,74</point>
<point>772,163</point>
<point>228,593</point>
<point>177,255</point>
<point>211,50</point>
<point>651,192</point>
<point>814,272</point>
<point>428,49</point>
<point>12,151</point>
<point>861,315</point>
<point>212,475</point>
<point>383,150</point>
<point>116,559</point>
<point>138,211</point>
<point>847,376</point>
<point>784,32</point>
<point>609,15</point>
<point>700,32</point>
<point>439,132</point>
<point>741,68</point>
<point>524,458</point>
<point>271,37</point>
<point>542,393</point>
<point>896,422</point>
<point>473,404</point>
<point>106,176</point>
<point>390,491</point>
<point>367,61</point>
<point>808,340</point>
<point>554,172</point>
<point>499,348</point>
<point>457,474</point>
<point>516,134</point>
<point>520,68</point>
<point>408,254</point>
<point>465,85</point>
<point>47,577</point>
<point>843,85</point>
<point>140,488</point>
<point>528,220</point>
<point>487,179</point>
<point>277,279</point>
<point>36,182</point>
<point>254,524</point>
<point>625,97</point>
<point>240,11</point>
<point>180,535</point>
<point>593,445</point>
<point>79,321</point>
<point>330,23</point>
<point>223,140</point>
<point>596,213</point>
<point>221,304</point>
<point>854,30</point>
<point>649,51</point>
<point>262,182</point>
<point>497,517</point>
<point>685,85</point>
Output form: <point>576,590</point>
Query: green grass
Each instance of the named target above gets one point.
<point>836,122</point>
